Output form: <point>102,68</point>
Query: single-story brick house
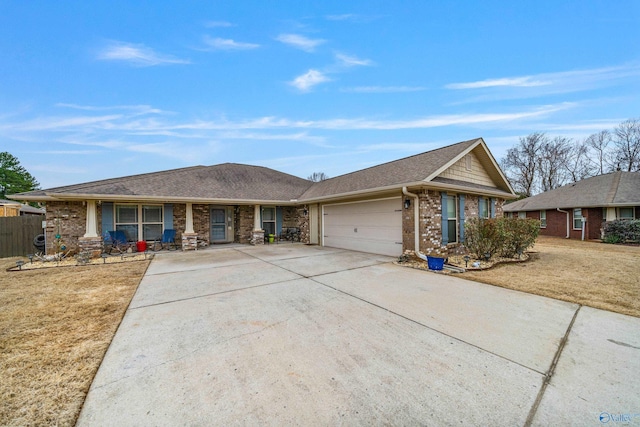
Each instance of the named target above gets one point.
<point>579,210</point>
<point>418,202</point>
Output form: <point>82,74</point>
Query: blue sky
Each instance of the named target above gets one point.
<point>97,89</point>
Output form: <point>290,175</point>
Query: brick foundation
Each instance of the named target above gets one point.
<point>189,241</point>
<point>257,237</point>
<point>93,245</point>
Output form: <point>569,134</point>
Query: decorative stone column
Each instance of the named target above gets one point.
<point>91,242</point>
<point>189,241</point>
<point>257,235</point>
<point>189,237</point>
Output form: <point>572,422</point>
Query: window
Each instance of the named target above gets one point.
<point>522,215</point>
<point>577,219</point>
<point>625,213</point>
<point>128,220</point>
<point>269,220</point>
<point>151,222</point>
<point>452,219</point>
<point>543,219</point>
<point>483,208</point>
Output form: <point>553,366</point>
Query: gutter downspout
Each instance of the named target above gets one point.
<point>560,210</point>
<point>416,219</point>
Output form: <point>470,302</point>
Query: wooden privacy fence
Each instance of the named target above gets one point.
<point>17,234</point>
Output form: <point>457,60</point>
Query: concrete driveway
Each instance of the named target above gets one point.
<point>304,335</point>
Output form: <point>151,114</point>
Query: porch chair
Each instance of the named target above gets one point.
<point>168,239</point>
<point>119,241</point>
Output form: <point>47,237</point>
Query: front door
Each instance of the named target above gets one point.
<point>218,225</point>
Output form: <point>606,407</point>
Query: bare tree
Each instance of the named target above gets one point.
<point>552,161</point>
<point>521,163</point>
<point>627,145</point>
<point>578,166</point>
<point>598,145</point>
<point>317,177</point>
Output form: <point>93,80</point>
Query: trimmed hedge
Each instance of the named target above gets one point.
<point>506,237</point>
<point>621,231</point>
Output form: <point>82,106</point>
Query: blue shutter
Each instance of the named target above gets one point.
<point>492,207</point>
<point>445,223</point>
<point>107,219</point>
<point>168,216</point>
<point>461,199</point>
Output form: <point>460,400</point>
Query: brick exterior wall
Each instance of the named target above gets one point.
<point>430,222</point>
<point>557,223</point>
<point>179,219</point>
<point>243,224</point>
<point>302,222</point>
<point>202,223</point>
<point>68,219</point>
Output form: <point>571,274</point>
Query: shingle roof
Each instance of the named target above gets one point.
<point>225,181</point>
<point>407,170</point>
<point>237,182</point>
<point>612,189</point>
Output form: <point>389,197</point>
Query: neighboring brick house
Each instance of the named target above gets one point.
<point>419,202</point>
<point>579,210</point>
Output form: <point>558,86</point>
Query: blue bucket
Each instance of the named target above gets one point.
<point>435,263</point>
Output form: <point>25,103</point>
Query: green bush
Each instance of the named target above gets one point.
<point>506,237</point>
<point>621,231</point>
<point>481,236</point>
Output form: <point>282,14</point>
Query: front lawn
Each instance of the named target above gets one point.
<point>595,274</point>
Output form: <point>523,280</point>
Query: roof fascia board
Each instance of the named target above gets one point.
<point>156,199</point>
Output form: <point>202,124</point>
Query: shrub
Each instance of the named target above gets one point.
<point>481,236</point>
<point>517,235</point>
<point>506,237</point>
<point>621,231</point>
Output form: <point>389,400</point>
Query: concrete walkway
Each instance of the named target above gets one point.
<point>304,335</point>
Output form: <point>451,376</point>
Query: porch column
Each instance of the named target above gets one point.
<point>91,242</point>
<point>256,218</point>
<point>188,228</point>
<point>189,237</point>
<point>91,227</point>
<point>257,236</point>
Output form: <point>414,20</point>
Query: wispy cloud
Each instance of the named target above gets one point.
<point>137,54</point>
<point>352,61</point>
<point>300,42</point>
<point>527,81</point>
<point>139,109</point>
<point>383,89</point>
<point>227,44</point>
<point>217,24</point>
<point>308,80</point>
<point>550,83</point>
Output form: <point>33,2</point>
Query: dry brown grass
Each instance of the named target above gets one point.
<point>589,273</point>
<point>55,326</point>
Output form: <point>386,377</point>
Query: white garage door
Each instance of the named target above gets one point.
<point>373,226</point>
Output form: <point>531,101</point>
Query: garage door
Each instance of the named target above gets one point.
<point>373,226</point>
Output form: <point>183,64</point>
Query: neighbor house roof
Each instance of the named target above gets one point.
<point>24,208</point>
<point>231,182</point>
<point>608,190</point>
